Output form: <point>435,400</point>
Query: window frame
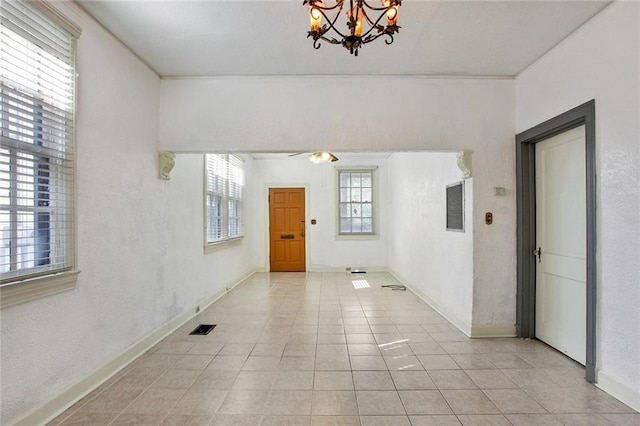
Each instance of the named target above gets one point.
<point>375,234</point>
<point>225,199</point>
<point>28,287</point>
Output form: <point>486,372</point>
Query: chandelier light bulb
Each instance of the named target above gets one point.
<point>355,17</point>
<point>392,15</point>
<point>315,19</point>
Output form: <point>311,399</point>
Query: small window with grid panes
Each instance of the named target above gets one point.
<point>356,202</point>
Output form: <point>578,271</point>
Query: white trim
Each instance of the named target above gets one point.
<point>60,18</point>
<point>334,269</point>
<point>449,316</point>
<point>35,288</point>
<point>77,390</point>
<point>220,245</point>
<point>351,237</point>
<point>493,330</point>
<point>358,77</point>
<point>471,330</point>
<point>618,390</point>
<point>355,168</point>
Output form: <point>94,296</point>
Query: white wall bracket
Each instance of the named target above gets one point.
<point>166,162</point>
<point>464,162</point>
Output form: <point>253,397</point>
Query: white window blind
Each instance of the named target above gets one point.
<point>356,202</point>
<point>225,187</point>
<point>37,100</point>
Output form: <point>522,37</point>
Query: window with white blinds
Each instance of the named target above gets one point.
<point>224,192</point>
<point>37,100</point>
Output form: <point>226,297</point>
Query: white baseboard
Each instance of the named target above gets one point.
<point>463,326</point>
<point>493,330</point>
<point>77,390</point>
<point>322,268</point>
<point>618,390</point>
<point>471,330</point>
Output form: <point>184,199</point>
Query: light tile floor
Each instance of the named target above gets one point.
<point>310,349</point>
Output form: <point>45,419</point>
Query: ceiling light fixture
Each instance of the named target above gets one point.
<point>357,15</point>
<point>322,157</point>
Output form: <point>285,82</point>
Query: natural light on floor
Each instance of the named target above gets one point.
<point>360,284</point>
<point>382,345</point>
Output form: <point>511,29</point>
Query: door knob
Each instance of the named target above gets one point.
<point>537,252</point>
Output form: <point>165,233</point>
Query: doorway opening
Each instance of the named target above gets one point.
<point>583,115</point>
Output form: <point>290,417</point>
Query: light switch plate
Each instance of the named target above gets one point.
<point>488,218</point>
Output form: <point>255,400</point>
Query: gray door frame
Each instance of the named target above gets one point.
<point>526,222</point>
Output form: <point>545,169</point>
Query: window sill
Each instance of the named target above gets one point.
<point>36,288</point>
<point>219,245</point>
<point>356,237</point>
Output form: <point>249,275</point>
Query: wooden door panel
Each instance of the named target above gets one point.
<point>295,217</point>
<point>287,229</point>
<point>279,222</point>
<point>295,251</point>
<point>294,198</point>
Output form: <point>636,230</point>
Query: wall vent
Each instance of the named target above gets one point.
<point>455,207</point>
<point>203,329</point>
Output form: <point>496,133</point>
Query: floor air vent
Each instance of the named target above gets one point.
<point>203,329</point>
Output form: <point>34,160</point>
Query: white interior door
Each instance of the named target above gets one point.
<point>561,239</point>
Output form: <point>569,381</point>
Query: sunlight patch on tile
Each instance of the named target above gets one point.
<point>381,345</point>
<point>360,284</point>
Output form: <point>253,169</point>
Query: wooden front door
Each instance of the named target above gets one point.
<point>287,230</point>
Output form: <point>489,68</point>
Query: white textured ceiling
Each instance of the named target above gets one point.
<point>244,38</point>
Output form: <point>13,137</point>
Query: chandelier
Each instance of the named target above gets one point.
<point>359,14</point>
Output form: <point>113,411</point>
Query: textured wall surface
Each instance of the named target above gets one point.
<point>601,61</point>
<point>422,252</point>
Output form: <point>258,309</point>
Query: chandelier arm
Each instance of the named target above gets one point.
<point>377,36</point>
<point>314,5</point>
<point>331,23</point>
<point>379,8</point>
<point>373,25</point>
<point>330,40</point>
<point>317,44</point>
<point>390,40</point>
